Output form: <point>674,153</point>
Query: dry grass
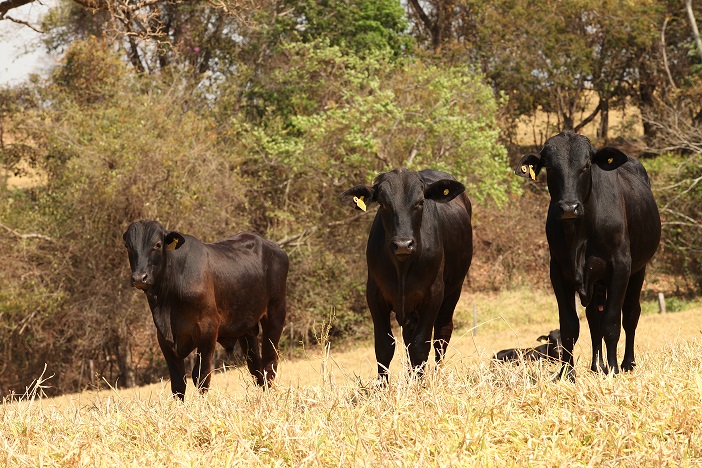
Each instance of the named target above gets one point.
<point>326,410</point>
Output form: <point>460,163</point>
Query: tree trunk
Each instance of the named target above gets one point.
<point>693,25</point>
<point>124,357</point>
<point>567,121</point>
<point>646,102</point>
<point>604,121</point>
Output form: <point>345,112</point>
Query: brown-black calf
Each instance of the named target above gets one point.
<point>201,294</point>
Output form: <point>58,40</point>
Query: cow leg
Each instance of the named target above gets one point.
<point>417,334</point>
<point>443,327</point>
<point>272,325</point>
<point>204,365</point>
<point>631,311</point>
<point>418,341</point>
<point>382,331</point>
<point>612,319</point>
<point>594,320</point>
<point>176,368</point>
<point>568,318</point>
<point>250,349</point>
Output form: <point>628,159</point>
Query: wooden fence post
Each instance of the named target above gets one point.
<point>661,303</point>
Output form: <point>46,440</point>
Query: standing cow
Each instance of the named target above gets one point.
<point>201,294</point>
<point>418,253</point>
<point>602,228</point>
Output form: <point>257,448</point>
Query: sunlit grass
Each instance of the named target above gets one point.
<point>327,409</point>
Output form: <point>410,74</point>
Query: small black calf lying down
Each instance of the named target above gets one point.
<point>551,350</point>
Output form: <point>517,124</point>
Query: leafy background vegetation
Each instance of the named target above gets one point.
<point>218,117</point>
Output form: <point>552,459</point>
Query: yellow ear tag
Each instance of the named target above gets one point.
<point>359,203</point>
<point>524,169</point>
<point>610,160</point>
<point>532,174</point>
<point>446,191</point>
<point>172,245</point>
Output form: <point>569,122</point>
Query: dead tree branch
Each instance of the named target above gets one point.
<point>31,235</point>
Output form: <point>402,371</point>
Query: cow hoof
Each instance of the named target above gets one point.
<point>600,370</point>
<point>381,383</point>
<point>628,366</point>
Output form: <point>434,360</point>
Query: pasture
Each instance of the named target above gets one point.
<point>326,411</point>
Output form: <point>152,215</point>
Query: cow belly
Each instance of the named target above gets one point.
<point>235,330</point>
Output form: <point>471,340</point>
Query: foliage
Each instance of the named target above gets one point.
<point>679,194</point>
<point>353,117</point>
<point>547,54</point>
<point>359,26</point>
<point>91,72</point>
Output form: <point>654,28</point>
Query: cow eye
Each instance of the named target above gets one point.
<point>158,246</point>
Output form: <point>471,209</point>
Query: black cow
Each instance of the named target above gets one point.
<point>419,249</point>
<point>201,294</point>
<point>602,228</point>
<point>550,350</point>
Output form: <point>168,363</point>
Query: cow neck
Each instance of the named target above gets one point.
<point>161,313</point>
<point>576,241</point>
<point>402,268</point>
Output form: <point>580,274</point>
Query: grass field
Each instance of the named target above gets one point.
<point>326,411</point>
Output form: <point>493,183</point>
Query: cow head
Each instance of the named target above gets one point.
<point>568,159</point>
<point>147,242</point>
<point>400,195</point>
<point>554,345</point>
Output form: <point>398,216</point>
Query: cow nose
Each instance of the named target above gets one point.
<point>570,210</point>
<point>402,245</point>
<point>139,279</point>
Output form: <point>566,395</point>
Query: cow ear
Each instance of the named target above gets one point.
<point>358,197</point>
<point>542,339</point>
<point>609,158</point>
<point>529,166</point>
<point>174,240</point>
<point>444,190</point>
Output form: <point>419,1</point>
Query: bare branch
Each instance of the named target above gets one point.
<point>24,23</point>
<point>312,230</point>
<point>31,235</point>
<point>665,56</point>
<point>422,15</point>
<point>590,117</point>
<point>8,5</point>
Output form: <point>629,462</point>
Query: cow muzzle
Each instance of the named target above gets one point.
<point>569,210</point>
<point>140,281</point>
<point>402,246</point>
